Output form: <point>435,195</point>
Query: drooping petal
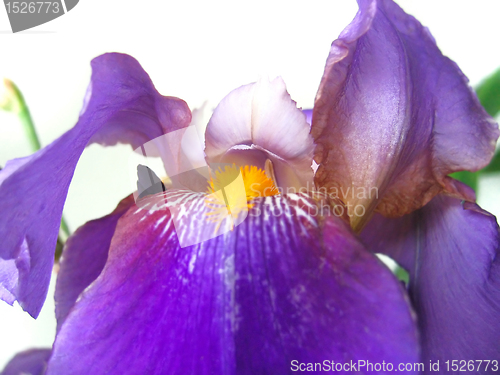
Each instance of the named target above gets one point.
<point>451,251</point>
<point>8,275</point>
<point>84,256</point>
<point>122,105</point>
<point>29,362</point>
<point>263,117</point>
<point>393,113</point>
<point>279,287</point>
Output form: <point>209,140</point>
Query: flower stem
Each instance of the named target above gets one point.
<point>14,102</point>
<point>64,227</point>
<point>24,116</point>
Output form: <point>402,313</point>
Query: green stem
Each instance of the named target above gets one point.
<point>64,227</point>
<point>25,117</point>
<point>21,109</point>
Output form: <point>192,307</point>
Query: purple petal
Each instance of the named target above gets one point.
<point>84,257</point>
<point>451,251</point>
<point>393,113</point>
<point>122,106</point>
<point>29,362</point>
<point>279,287</point>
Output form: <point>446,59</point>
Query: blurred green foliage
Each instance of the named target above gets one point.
<point>488,93</point>
<point>469,178</point>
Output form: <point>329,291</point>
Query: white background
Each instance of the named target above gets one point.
<point>195,50</point>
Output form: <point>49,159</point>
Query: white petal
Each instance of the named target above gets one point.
<point>263,115</point>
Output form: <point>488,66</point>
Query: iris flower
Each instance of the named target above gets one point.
<point>295,284</point>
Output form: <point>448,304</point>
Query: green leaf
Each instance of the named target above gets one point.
<point>402,275</point>
<point>494,166</point>
<point>468,178</point>
<point>488,93</point>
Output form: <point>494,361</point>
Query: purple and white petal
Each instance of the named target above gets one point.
<point>29,362</point>
<point>451,251</point>
<point>281,286</point>
<point>122,105</point>
<point>84,256</point>
<point>393,113</point>
<point>260,121</point>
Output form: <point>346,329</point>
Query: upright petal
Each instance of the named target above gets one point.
<point>260,121</point>
<point>122,105</point>
<point>84,256</point>
<point>393,113</point>
<point>282,286</point>
<point>451,251</point>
